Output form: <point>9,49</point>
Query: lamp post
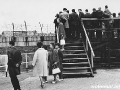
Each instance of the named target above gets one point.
<point>26,38</point>
<point>41,37</point>
<point>13,37</point>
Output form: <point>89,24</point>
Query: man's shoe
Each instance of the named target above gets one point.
<point>53,82</point>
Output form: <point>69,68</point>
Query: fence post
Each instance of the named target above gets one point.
<point>92,60</point>
<point>6,69</point>
<point>26,62</point>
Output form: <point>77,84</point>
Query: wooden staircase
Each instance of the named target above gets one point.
<point>76,61</point>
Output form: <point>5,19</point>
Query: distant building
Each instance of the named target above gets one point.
<point>19,33</point>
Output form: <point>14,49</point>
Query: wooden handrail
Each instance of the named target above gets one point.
<point>100,19</point>
<point>88,40</point>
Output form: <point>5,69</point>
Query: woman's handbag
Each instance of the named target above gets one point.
<point>62,42</point>
<point>55,70</point>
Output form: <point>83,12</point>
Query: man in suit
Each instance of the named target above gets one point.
<point>14,62</point>
<point>74,22</point>
<point>81,15</point>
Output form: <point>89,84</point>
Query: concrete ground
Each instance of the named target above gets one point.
<point>105,79</point>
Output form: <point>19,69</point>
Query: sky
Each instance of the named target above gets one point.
<point>44,11</point>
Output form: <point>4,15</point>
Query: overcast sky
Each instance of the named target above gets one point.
<point>35,11</point>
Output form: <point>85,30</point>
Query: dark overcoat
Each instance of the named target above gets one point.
<point>14,57</point>
<point>55,56</point>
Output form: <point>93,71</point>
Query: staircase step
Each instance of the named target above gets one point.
<point>75,68</point>
<point>73,50</point>
<point>74,58</point>
<point>74,54</point>
<point>75,46</point>
<point>77,63</point>
<point>68,73</point>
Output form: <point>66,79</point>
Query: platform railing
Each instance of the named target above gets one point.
<point>105,33</point>
<point>87,44</point>
<point>101,29</point>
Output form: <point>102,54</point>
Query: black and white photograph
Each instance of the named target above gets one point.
<point>59,44</point>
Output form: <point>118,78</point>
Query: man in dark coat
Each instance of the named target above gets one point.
<point>99,23</point>
<point>94,24</point>
<point>74,22</point>
<point>87,23</point>
<point>14,62</point>
<point>81,15</point>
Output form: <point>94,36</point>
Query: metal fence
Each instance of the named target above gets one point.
<point>26,62</point>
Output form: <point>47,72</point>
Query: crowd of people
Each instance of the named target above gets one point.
<point>45,60</point>
<point>69,24</point>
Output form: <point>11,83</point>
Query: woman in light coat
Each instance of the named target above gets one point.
<point>40,62</point>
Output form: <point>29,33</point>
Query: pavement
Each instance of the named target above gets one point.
<point>105,79</point>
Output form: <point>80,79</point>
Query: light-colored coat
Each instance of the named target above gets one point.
<point>40,62</point>
<point>65,16</point>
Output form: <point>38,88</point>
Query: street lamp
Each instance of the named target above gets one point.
<point>41,37</point>
<point>26,38</point>
<point>13,37</point>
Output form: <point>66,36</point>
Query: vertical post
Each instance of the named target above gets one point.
<point>109,61</point>
<point>86,44</point>
<point>26,38</point>
<point>6,60</point>
<point>26,62</point>
<point>13,29</point>
<point>6,69</point>
<point>92,60</point>
<point>41,37</point>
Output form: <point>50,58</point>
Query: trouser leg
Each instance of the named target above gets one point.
<point>14,80</point>
<point>67,32</point>
<point>77,31</point>
<point>45,78</point>
<point>61,73</point>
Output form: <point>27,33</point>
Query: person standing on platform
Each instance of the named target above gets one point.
<point>40,63</point>
<point>14,62</point>
<point>87,23</point>
<point>108,23</point>
<point>81,15</point>
<point>61,30</point>
<point>94,24</point>
<point>56,26</point>
<point>74,22</point>
<point>65,17</point>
